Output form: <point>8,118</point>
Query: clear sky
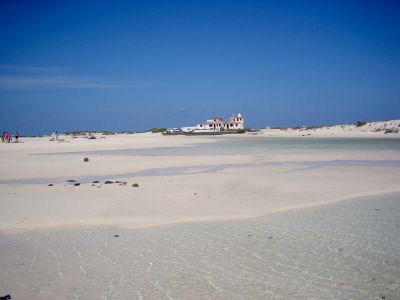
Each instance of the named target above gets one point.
<point>132,65</point>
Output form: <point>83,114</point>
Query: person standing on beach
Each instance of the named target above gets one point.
<point>6,137</point>
<point>3,136</point>
<point>16,136</point>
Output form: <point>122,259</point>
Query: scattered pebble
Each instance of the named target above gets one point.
<point>77,184</point>
<point>116,235</point>
<point>108,182</point>
<point>50,184</point>
<point>96,181</point>
<point>86,159</point>
<point>270,237</point>
<point>135,185</point>
<point>195,194</point>
<point>71,180</point>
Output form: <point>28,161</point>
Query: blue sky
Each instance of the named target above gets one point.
<point>133,65</point>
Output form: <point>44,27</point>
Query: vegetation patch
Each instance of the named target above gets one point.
<point>361,123</point>
<point>156,130</point>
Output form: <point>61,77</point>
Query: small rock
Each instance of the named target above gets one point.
<point>270,237</point>
<point>86,159</point>
<point>96,181</point>
<point>116,235</point>
<point>108,182</point>
<point>71,180</point>
<point>135,185</point>
<point>340,249</point>
<point>50,184</point>
<point>77,184</point>
<point>376,208</point>
<point>249,235</point>
<point>195,194</point>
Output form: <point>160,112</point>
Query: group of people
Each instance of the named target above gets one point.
<point>8,138</point>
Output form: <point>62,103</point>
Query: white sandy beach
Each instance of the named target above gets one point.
<point>204,187</point>
<point>249,186</point>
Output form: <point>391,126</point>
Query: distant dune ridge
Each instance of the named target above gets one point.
<point>389,128</point>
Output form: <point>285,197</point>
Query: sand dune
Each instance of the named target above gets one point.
<point>369,129</point>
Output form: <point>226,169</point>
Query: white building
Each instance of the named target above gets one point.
<point>234,122</point>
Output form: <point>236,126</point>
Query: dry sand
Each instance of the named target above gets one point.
<point>245,186</point>
<point>44,221</point>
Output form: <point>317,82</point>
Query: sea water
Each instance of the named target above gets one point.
<point>347,250</point>
<point>257,145</point>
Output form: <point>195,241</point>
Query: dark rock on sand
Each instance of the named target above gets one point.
<point>116,235</point>
<point>86,159</point>
<point>71,180</point>
<point>392,130</point>
<point>77,184</point>
<point>6,297</point>
<point>50,184</point>
<point>108,182</point>
<point>96,181</point>
<point>135,185</point>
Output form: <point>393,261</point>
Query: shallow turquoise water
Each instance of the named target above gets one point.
<point>348,250</point>
<point>262,145</point>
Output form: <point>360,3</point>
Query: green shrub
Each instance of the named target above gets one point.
<point>361,123</point>
<point>314,127</point>
<point>156,130</point>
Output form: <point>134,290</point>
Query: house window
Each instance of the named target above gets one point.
<point>201,125</point>
<point>210,125</point>
<point>231,125</point>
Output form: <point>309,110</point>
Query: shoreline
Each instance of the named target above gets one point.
<point>113,224</point>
